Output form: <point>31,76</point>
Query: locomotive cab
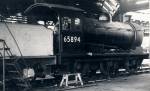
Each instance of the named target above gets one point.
<point>71,30</point>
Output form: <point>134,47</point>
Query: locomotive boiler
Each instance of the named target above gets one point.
<point>67,41</point>
<point>121,35</point>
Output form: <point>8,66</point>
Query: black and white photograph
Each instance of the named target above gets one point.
<point>74,45</point>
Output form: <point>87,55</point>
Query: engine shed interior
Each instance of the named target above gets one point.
<point>56,39</point>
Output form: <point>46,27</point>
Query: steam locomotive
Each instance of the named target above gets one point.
<point>57,38</point>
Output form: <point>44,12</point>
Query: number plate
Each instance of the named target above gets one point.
<point>72,39</point>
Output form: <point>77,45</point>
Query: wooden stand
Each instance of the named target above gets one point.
<point>65,79</point>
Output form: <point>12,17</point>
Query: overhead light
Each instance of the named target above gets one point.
<point>142,2</point>
<point>85,12</point>
<point>77,4</point>
<point>99,4</point>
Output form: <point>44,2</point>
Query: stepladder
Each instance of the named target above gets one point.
<point>66,81</point>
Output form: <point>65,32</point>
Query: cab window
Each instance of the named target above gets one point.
<point>77,24</point>
<point>66,23</point>
<point>73,23</point>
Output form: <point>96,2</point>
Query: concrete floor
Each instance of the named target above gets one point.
<point>131,83</point>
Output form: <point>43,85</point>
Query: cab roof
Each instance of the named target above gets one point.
<point>54,7</point>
